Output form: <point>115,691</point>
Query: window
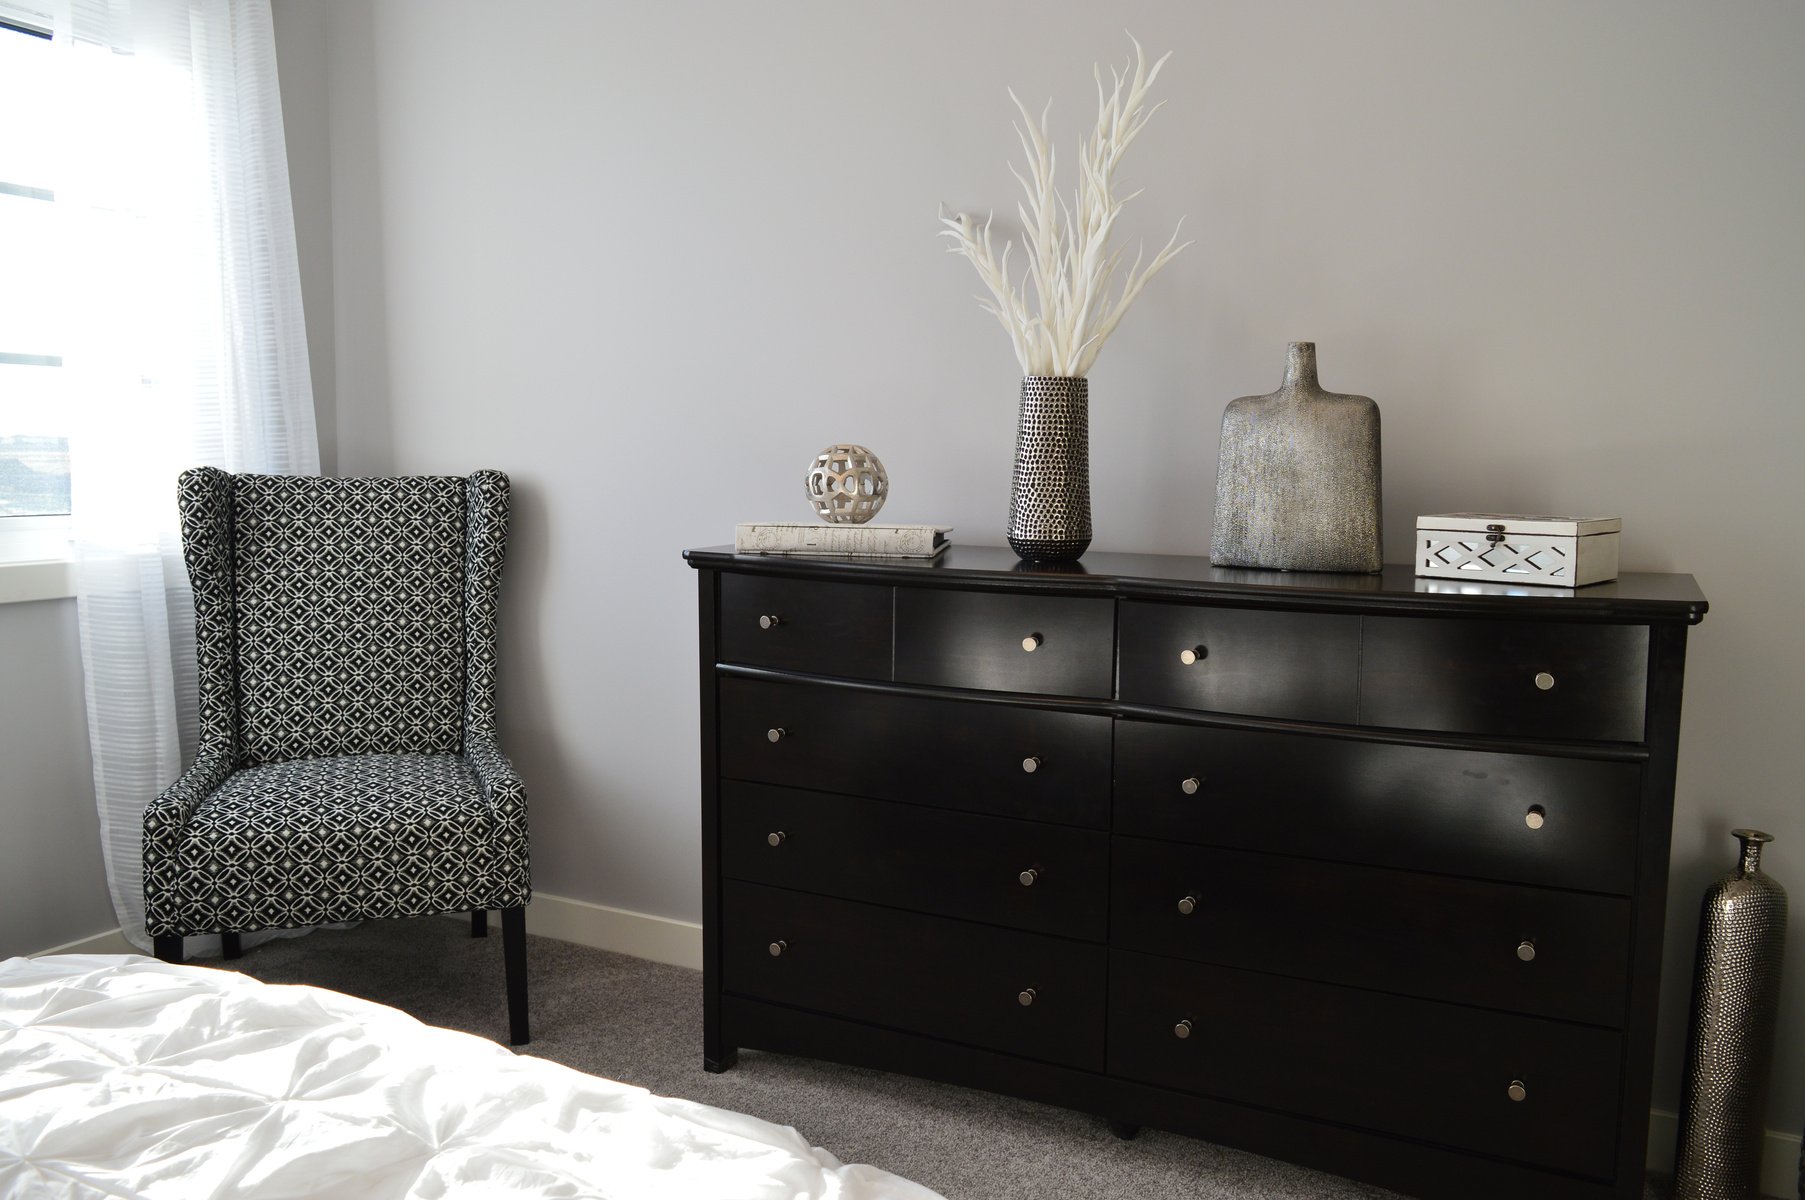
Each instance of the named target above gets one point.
<point>35,420</point>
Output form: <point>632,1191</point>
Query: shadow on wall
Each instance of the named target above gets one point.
<point>529,728</point>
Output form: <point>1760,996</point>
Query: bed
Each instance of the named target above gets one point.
<point>122,1076</point>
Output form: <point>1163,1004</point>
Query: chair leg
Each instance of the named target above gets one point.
<point>479,922</point>
<point>168,947</point>
<point>513,948</point>
<point>230,946</point>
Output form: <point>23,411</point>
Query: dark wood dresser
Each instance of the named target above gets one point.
<point>1364,872</point>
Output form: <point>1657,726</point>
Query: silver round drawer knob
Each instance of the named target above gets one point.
<point>1187,906</point>
<point>770,621</point>
<point>1029,876</point>
<point>775,839</point>
<point>1189,787</point>
<point>1545,681</point>
<point>1536,817</point>
<point>1031,764</point>
<point>1032,642</point>
<point>1182,1030</point>
<point>1516,1090</point>
<point>1526,950</point>
<point>1025,997</point>
<point>776,735</point>
<point>778,947</point>
<point>1190,655</point>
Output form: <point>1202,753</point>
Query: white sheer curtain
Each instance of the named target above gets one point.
<point>186,348</point>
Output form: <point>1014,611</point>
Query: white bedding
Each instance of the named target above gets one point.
<point>127,1077</point>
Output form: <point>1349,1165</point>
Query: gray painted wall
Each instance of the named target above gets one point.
<point>649,258</point>
<point>53,885</point>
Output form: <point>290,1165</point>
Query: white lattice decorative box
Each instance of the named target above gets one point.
<point>1508,548</point>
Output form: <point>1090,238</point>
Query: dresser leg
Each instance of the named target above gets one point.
<point>714,1064</point>
<point>1126,1130</point>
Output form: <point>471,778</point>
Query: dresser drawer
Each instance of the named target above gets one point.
<point>1510,678</point>
<point>1301,666</point>
<point>1521,818</point>
<point>1046,645</point>
<point>1023,874</point>
<point>806,625</point>
<point>921,974</point>
<point>1529,950</point>
<point>1435,1072</point>
<point>974,756</point>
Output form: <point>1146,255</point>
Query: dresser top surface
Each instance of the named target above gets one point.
<point>1633,596</point>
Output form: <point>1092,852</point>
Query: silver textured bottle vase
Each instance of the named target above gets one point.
<point>1730,1041</point>
<point>1050,499</point>
<point>1297,477</point>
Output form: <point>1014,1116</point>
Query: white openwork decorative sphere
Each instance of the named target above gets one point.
<point>846,485</point>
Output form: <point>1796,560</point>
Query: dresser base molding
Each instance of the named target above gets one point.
<point>1419,1170</point>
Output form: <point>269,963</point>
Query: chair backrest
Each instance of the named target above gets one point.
<point>341,605</point>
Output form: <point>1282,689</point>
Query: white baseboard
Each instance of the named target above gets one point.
<point>110,942</point>
<point>664,940</point>
<point>621,930</point>
<point>1779,1157</point>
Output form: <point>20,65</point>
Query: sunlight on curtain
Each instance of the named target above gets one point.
<point>185,345</point>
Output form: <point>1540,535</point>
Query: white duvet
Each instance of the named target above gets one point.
<point>128,1077</point>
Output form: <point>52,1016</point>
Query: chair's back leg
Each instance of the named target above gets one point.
<point>513,948</point>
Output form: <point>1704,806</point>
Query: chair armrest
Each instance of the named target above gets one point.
<point>163,824</point>
<point>170,811</point>
<point>506,797</point>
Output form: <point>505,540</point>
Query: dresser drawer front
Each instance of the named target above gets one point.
<point>1509,678</point>
<point>921,974</point>
<point>1435,1072</point>
<point>1520,818</point>
<point>940,753</point>
<point>927,860</point>
<point>1301,666</point>
<point>981,639</point>
<point>1529,950</point>
<point>806,625</point>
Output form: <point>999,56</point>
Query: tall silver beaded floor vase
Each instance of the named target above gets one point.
<point>1050,500</point>
<point>1730,1042</point>
<point>1297,477</point>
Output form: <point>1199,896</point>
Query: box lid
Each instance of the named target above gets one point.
<point>1469,522</point>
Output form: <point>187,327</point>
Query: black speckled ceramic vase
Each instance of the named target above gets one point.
<point>1050,499</point>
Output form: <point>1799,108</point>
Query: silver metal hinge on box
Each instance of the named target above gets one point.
<point>1511,548</point>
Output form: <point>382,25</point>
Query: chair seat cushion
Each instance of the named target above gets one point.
<point>315,840</point>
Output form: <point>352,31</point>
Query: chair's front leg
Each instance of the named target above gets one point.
<point>513,950</point>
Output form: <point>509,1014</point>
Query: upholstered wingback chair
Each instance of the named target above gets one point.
<point>348,766</point>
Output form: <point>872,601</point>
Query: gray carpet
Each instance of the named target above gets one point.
<point>641,1022</point>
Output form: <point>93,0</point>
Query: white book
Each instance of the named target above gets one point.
<point>845,541</point>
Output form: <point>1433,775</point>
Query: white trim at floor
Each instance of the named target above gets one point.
<point>110,942</point>
<point>621,930</point>
<point>1779,1154</point>
<point>664,940</point>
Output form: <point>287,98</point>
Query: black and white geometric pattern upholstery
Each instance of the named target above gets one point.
<point>348,764</point>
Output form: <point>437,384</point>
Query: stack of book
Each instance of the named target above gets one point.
<point>842,541</point>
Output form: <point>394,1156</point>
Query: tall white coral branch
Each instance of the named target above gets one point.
<point>1071,263</point>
